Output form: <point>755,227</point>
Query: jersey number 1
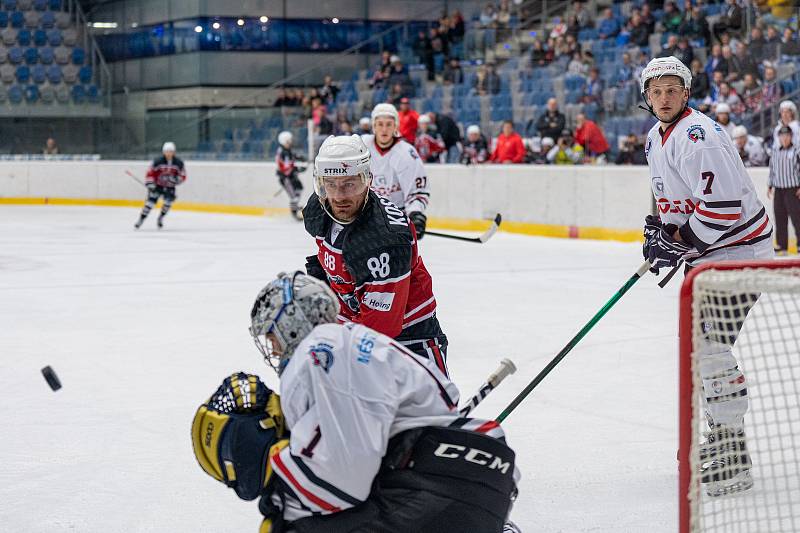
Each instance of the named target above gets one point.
<point>308,451</point>
<point>710,177</point>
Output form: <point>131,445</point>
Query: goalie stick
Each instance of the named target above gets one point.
<point>641,271</point>
<point>482,239</point>
<point>505,369</point>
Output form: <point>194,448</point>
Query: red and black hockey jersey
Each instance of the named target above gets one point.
<point>166,173</point>
<point>285,162</point>
<point>374,267</point>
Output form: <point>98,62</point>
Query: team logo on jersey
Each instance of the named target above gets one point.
<point>658,185</point>
<point>696,133</point>
<point>379,301</point>
<point>413,153</point>
<point>322,356</point>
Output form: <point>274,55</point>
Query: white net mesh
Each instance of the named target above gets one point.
<point>765,450</point>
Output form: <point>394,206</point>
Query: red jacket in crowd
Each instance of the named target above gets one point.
<point>408,125</point>
<point>590,136</point>
<point>509,148</point>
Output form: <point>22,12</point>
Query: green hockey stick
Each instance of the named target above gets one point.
<point>575,340</point>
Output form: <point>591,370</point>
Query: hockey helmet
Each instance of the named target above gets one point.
<point>385,110</point>
<point>788,104</point>
<point>168,147</point>
<point>285,138</point>
<point>285,311</point>
<point>665,66</point>
<point>722,107</point>
<point>341,157</point>
<point>738,131</point>
<point>474,128</point>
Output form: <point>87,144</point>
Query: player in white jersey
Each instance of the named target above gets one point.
<point>708,211</point>
<point>369,438</point>
<point>397,171</point>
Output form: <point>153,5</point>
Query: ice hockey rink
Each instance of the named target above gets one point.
<point>142,327</point>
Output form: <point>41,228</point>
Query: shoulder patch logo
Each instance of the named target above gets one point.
<point>647,147</point>
<point>696,133</point>
<point>322,356</point>
<point>413,153</point>
<point>658,185</point>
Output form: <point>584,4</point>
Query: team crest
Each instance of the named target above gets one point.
<point>696,133</point>
<point>658,185</point>
<point>322,356</point>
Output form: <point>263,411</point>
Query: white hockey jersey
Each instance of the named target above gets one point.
<point>701,185</point>
<point>398,174</point>
<point>346,391</point>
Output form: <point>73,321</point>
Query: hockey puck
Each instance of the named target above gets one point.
<point>51,378</point>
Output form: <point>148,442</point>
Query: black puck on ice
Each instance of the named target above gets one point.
<point>51,378</point>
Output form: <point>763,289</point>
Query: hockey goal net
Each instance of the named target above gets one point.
<point>714,298</point>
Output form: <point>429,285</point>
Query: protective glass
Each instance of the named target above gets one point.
<point>669,91</point>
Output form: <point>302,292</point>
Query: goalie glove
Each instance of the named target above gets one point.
<point>234,432</point>
<point>664,251</point>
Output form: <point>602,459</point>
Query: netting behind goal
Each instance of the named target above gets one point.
<point>714,299</point>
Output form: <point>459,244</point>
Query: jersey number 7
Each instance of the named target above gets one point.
<point>710,177</point>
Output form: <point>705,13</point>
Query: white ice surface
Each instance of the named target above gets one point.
<point>142,326</point>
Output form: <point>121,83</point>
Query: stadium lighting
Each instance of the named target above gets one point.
<point>264,19</point>
<point>240,22</point>
<point>198,29</point>
<point>335,20</point>
<point>215,25</point>
<point>103,24</point>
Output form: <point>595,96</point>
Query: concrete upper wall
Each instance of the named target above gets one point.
<point>615,198</point>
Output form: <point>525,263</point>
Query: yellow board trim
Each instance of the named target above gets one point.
<point>438,223</point>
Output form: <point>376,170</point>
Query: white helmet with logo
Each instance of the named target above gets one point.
<point>341,157</point>
<point>285,138</point>
<point>665,66</point>
<point>385,110</point>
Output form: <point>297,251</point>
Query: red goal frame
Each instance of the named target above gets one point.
<point>685,373</point>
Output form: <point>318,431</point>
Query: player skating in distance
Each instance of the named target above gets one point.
<point>287,170</point>
<point>166,173</point>
<point>708,211</point>
<point>365,436</point>
<point>397,170</point>
<point>367,252</point>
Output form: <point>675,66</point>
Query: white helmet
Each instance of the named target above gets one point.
<point>665,66</point>
<point>364,122</point>
<point>285,138</point>
<point>340,157</point>
<point>548,141</point>
<point>385,110</point>
<point>424,119</point>
<point>722,107</point>
<point>474,128</point>
<point>788,104</point>
<point>739,131</point>
<point>168,147</point>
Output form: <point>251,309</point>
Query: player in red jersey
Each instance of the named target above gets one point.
<point>367,252</point>
<point>166,173</point>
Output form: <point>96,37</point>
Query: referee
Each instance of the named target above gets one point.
<point>784,188</point>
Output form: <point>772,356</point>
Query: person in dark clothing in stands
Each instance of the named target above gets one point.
<point>450,134</point>
<point>551,123</point>
<point>784,188</point>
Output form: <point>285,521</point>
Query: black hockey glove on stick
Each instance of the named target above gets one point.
<point>664,250</point>
<point>419,220</point>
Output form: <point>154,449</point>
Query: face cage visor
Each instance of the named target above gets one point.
<point>351,186</point>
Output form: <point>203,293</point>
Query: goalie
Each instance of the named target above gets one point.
<point>708,211</point>
<point>366,434</point>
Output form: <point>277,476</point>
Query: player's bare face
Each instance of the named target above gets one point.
<point>384,128</point>
<point>667,96</point>
<point>346,196</point>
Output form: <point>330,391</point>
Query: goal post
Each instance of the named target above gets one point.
<point>713,300</point>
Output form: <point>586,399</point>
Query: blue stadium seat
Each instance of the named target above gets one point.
<point>39,5</point>
<point>78,55</point>
<point>55,5</point>
<point>17,19</point>
<point>3,19</point>
<point>24,37</point>
<point>93,93</point>
<point>15,55</point>
<point>85,74</point>
<point>9,5</point>
<point>78,94</point>
<point>32,56</point>
<point>54,74</point>
<point>40,37</point>
<point>46,55</point>
<point>787,86</point>
<point>48,20</point>
<point>38,74</point>
<point>23,73</point>
<point>54,37</point>
<point>15,94</point>
<point>32,93</point>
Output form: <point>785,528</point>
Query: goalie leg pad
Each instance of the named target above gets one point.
<point>724,385</point>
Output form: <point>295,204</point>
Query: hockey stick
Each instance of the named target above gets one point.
<point>482,239</point>
<point>669,275</point>
<point>575,340</point>
<point>505,369</point>
<point>134,178</point>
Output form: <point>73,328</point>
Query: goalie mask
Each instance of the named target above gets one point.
<point>285,312</point>
<point>342,177</point>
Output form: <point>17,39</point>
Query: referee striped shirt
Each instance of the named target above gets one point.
<point>784,168</point>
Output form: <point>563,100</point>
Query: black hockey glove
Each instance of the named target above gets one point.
<point>652,225</point>
<point>151,186</point>
<point>314,268</point>
<point>419,220</point>
<point>664,251</point>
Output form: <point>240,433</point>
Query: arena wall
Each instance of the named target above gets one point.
<point>602,202</point>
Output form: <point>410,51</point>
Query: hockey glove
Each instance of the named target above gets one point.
<point>234,431</point>
<point>314,268</point>
<point>151,186</point>
<point>664,250</point>
<point>652,226</point>
<point>419,220</point>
